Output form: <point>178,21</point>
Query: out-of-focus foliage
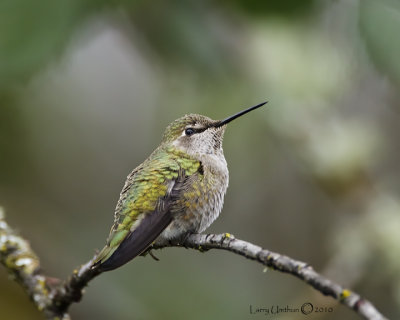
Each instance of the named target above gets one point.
<point>32,33</point>
<point>287,8</point>
<point>380,23</point>
<point>87,88</point>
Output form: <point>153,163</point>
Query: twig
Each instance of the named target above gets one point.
<point>54,297</point>
<point>50,295</point>
<point>282,263</point>
<point>22,264</point>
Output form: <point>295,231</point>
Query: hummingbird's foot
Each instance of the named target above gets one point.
<point>150,252</point>
<point>152,255</point>
<point>184,238</point>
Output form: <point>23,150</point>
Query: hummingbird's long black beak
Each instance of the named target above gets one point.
<point>239,114</point>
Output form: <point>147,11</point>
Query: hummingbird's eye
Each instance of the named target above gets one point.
<point>189,131</point>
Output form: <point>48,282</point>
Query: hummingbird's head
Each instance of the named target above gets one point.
<point>197,134</point>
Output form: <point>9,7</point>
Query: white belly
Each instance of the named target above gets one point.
<point>203,210</point>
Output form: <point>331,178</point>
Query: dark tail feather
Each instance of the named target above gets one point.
<point>137,241</point>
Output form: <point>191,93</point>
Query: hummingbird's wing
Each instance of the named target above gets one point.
<point>144,208</point>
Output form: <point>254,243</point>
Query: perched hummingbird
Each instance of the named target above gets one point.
<point>178,190</point>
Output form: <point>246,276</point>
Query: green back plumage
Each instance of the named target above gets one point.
<point>142,191</point>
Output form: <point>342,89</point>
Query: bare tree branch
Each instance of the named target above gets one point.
<point>54,297</point>
<point>23,265</point>
<point>276,261</point>
<point>50,295</point>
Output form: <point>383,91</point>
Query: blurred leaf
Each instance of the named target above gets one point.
<point>274,7</point>
<point>188,34</point>
<point>380,26</point>
<point>14,161</point>
<point>32,33</point>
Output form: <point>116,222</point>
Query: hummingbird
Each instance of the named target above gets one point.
<point>178,190</point>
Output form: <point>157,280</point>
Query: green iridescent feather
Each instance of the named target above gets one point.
<point>143,190</point>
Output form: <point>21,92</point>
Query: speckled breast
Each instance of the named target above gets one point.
<point>202,198</point>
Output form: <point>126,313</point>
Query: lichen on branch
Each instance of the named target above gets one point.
<point>53,296</point>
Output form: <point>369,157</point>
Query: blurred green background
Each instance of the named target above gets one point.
<point>87,88</point>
